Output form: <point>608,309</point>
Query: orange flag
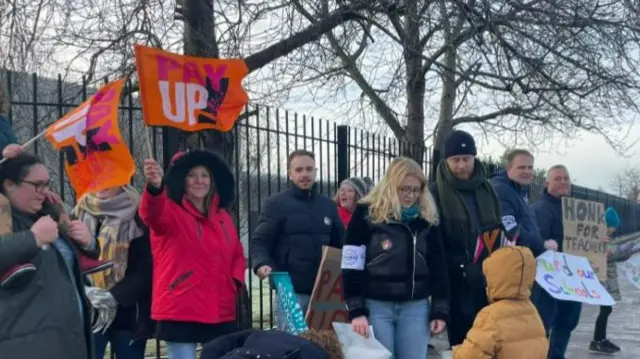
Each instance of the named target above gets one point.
<point>96,156</point>
<point>190,93</point>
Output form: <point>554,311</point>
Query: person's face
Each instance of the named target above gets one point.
<point>29,194</point>
<point>347,197</point>
<point>558,182</point>
<point>461,166</point>
<point>108,192</point>
<point>302,172</point>
<point>198,183</point>
<point>521,170</point>
<point>409,191</point>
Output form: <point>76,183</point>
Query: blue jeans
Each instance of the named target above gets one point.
<point>177,350</point>
<point>121,345</point>
<point>560,318</point>
<point>402,327</point>
<point>303,299</point>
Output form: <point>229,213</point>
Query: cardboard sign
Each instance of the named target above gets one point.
<point>585,232</point>
<point>327,301</point>
<point>6,222</point>
<point>568,277</point>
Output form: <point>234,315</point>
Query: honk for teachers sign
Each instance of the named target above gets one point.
<point>585,232</point>
<point>568,277</point>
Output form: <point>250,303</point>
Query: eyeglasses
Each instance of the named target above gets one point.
<point>39,186</point>
<point>406,191</point>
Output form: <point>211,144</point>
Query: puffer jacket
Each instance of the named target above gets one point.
<point>510,326</point>
<point>393,262</point>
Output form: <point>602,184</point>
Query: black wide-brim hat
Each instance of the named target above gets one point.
<point>183,163</point>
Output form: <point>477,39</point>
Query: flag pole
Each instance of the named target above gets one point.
<point>29,143</point>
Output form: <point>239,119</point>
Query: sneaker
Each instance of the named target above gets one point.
<point>17,275</point>
<point>610,345</point>
<point>599,347</point>
<point>90,265</point>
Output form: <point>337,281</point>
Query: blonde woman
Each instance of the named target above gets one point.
<point>393,261</point>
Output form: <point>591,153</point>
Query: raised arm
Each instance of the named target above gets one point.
<point>154,201</point>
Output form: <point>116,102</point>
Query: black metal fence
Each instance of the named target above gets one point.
<point>262,141</point>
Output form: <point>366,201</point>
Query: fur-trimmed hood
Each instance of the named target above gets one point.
<point>183,162</point>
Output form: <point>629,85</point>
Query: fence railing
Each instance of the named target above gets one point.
<point>262,141</point>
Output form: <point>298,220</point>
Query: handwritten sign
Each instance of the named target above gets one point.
<point>631,270</point>
<point>584,232</point>
<point>288,301</point>
<point>568,277</point>
<point>326,305</point>
<point>190,93</point>
<point>95,154</point>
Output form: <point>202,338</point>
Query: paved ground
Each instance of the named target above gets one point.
<point>623,329</point>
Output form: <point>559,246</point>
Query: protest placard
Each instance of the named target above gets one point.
<point>585,232</point>
<point>568,277</point>
<point>288,302</point>
<point>327,301</point>
<point>631,270</point>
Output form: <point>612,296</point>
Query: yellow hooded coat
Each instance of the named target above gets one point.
<point>509,327</point>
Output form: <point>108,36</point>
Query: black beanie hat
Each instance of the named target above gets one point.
<point>459,143</point>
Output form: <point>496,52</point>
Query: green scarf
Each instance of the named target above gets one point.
<point>454,212</point>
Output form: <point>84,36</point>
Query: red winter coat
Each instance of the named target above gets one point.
<point>195,259</point>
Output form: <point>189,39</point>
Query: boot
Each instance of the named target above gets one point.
<point>91,266</point>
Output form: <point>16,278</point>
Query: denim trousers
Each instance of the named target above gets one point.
<point>176,350</point>
<point>121,345</point>
<point>279,313</point>
<point>560,318</point>
<point>402,327</point>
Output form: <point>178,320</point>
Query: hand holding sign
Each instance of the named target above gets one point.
<point>153,173</point>
<point>551,245</point>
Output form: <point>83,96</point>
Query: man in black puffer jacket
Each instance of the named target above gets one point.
<point>292,228</point>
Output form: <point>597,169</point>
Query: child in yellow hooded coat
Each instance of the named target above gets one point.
<point>509,327</point>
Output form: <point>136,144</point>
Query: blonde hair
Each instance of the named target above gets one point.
<point>383,199</point>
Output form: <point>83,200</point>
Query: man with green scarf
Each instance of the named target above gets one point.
<point>472,228</point>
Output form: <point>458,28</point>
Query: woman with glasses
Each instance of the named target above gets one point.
<point>393,261</point>
<point>43,311</point>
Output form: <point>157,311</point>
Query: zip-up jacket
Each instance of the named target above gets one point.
<point>291,230</point>
<point>393,262</point>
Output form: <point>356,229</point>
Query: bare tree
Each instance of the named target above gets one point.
<point>627,184</point>
<point>526,69</point>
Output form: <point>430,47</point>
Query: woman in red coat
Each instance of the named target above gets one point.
<point>198,260</point>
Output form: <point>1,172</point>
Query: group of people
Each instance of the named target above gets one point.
<point>412,263</point>
<point>166,262</point>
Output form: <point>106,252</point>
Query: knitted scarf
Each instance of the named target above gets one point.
<point>116,218</point>
<point>454,211</point>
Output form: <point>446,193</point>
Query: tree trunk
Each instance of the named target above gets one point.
<point>447,103</point>
<point>414,132</point>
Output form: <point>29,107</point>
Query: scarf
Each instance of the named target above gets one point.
<point>345,215</point>
<point>455,214</point>
<point>116,218</point>
<point>409,214</point>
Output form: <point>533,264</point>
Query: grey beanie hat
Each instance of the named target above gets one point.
<point>362,185</point>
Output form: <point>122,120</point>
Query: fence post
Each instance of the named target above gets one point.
<point>342,152</point>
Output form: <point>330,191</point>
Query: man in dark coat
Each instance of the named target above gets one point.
<point>292,228</point>
<point>469,213</point>
<point>511,186</point>
<point>560,317</point>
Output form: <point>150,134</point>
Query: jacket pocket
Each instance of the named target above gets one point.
<point>182,282</point>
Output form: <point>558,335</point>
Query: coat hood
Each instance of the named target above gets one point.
<point>510,273</point>
<point>183,162</point>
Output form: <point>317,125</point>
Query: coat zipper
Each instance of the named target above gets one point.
<point>413,269</point>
